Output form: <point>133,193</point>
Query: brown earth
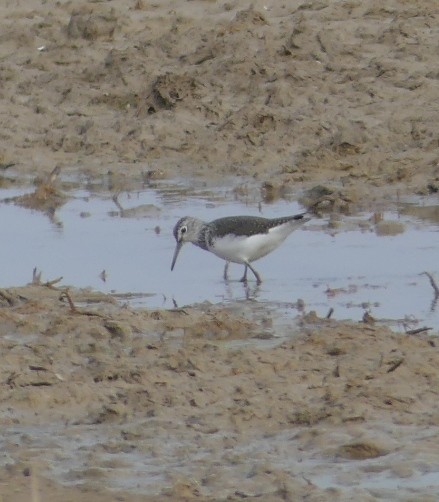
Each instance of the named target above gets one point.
<point>290,92</point>
<point>290,95</point>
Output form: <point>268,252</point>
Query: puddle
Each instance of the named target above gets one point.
<point>129,243</point>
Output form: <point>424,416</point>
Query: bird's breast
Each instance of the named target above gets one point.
<point>241,249</point>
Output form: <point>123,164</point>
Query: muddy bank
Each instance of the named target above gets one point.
<point>331,91</point>
<point>97,394</point>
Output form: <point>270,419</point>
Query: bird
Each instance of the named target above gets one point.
<point>237,239</point>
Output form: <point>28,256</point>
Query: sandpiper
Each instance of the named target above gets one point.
<point>238,239</point>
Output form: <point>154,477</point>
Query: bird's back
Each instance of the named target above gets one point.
<point>243,239</point>
<point>251,225</point>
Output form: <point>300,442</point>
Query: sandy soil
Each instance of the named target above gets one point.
<point>290,95</point>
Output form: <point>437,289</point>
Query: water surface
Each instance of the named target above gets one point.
<point>351,269</point>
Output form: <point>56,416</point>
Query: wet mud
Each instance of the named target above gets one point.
<point>334,102</point>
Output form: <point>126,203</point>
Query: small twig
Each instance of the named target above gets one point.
<point>396,364</point>
<point>310,483</point>
<point>50,284</point>
<point>37,368</point>
<point>42,383</point>
<point>179,311</point>
<point>6,165</point>
<point>117,203</point>
<point>36,276</point>
<point>417,330</point>
<point>65,294</point>
<point>329,314</point>
<point>36,279</point>
<point>42,368</point>
<point>433,283</point>
<point>53,175</point>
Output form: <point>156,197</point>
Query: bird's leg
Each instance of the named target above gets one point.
<point>226,270</point>
<point>244,277</point>
<point>258,277</point>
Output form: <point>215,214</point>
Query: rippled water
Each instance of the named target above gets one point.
<point>131,241</point>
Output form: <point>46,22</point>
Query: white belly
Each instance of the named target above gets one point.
<point>241,249</point>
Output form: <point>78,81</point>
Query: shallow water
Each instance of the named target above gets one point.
<point>350,270</point>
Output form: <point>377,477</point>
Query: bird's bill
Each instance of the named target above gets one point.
<point>177,250</point>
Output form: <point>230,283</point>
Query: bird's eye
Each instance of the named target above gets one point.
<point>183,230</point>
